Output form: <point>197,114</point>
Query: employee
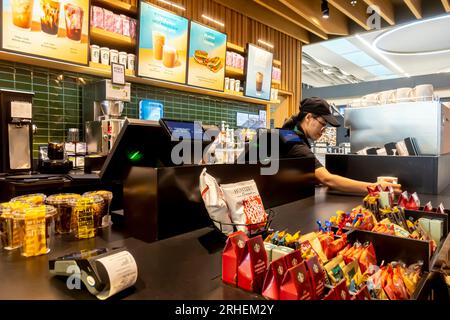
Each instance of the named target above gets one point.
<point>309,124</point>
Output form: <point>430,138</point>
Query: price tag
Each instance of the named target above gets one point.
<point>118,73</point>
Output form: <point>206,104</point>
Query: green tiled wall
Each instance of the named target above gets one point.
<point>57,103</point>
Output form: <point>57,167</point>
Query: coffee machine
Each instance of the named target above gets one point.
<point>16,131</point>
<point>103,103</point>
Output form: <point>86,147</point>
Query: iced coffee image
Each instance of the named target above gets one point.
<point>259,81</point>
<point>74,21</point>
<point>159,40</point>
<point>169,56</point>
<point>22,13</point>
<point>50,16</point>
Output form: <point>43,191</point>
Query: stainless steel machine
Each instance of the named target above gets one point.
<point>16,131</point>
<point>103,104</point>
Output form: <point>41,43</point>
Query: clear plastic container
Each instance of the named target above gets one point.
<point>107,197</point>
<point>11,232</point>
<point>85,212</point>
<point>64,210</point>
<point>35,199</point>
<point>36,223</point>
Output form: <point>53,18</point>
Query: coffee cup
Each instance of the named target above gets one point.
<point>123,57</point>
<point>22,13</point>
<point>423,92</point>
<point>259,81</point>
<point>170,56</point>
<point>393,180</point>
<point>114,56</point>
<point>95,53</point>
<point>131,61</point>
<point>159,40</point>
<point>104,55</point>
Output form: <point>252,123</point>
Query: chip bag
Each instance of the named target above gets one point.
<point>245,205</point>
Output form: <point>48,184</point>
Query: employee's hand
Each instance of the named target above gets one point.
<point>397,187</point>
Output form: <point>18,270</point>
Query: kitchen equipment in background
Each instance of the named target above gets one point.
<point>151,110</point>
<point>16,133</point>
<point>103,104</point>
<point>55,160</point>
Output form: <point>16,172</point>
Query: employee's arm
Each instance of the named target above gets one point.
<point>348,185</point>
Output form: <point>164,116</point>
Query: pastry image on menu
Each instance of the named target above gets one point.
<point>22,13</point>
<point>50,16</point>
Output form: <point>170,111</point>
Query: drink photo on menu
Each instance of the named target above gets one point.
<point>259,73</point>
<point>162,44</point>
<point>43,27</point>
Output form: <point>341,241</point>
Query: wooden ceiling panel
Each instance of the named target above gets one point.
<point>266,17</point>
<point>386,9</point>
<point>336,24</point>
<point>357,13</point>
<point>286,13</point>
<point>416,7</point>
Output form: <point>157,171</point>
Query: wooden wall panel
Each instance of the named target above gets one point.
<point>242,30</point>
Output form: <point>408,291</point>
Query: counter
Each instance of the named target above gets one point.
<point>187,266</point>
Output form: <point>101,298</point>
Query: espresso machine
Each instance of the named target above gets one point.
<point>16,131</point>
<point>103,103</point>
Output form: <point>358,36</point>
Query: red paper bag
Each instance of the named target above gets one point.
<point>292,259</point>
<point>331,295</point>
<point>341,290</point>
<point>231,256</point>
<point>363,294</point>
<point>296,284</point>
<point>317,277</point>
<point>253,266</point>
<point>273,279</point>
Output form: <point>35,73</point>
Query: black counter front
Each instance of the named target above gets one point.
<point>187,266</point>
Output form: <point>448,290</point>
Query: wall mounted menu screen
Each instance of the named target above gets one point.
<point>259,73</point>
<point>47,28</point>
<point>207,52</point>
<point>163,41</point>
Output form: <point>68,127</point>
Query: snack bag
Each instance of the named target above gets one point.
<point>215,203</point>
<point>334,270</point>
<point>232,255</point>
<point>315,244</point>
<point>335,246</point>
<point>296,284</point>
<point>428,207</point>
<point>440,209</point>
<point>245,205</point>
<point>274,277</point>
<point>403,199</point>
<point>252,269</point>
<point>367,257</point>
<point>317,277</point>
<point>399,286</point>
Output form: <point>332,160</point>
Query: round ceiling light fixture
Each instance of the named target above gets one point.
<point>424,37</point>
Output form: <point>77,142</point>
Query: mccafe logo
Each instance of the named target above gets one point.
<point>300,277</point>
<point>257,247</point>
<point>280,270</point>
<point>241,244</point>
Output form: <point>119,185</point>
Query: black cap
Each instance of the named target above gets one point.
<point>319,107</point>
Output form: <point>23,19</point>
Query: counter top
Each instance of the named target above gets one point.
<point>182,267</point>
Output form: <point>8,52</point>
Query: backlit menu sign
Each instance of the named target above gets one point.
<point>47,28</point>
<point>163,41</point>
<point>259,73</point>
<point>207,52</point>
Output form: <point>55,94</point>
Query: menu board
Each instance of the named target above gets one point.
<point>207,52</point>
<point>259,73</point>
<point>163,40</point>
<point>47,28</point>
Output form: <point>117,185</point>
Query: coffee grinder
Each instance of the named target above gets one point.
<point>16,132</point>
<point>103,103</point>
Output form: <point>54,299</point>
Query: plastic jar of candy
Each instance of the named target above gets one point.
<point>33,199</point>
<point>107,197</point>
<point>85,212</point>
<point>36,224</point>
<point>64,210</point>
<point>11,232</point>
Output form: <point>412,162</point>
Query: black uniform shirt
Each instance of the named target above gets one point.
<point>302,149</point>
